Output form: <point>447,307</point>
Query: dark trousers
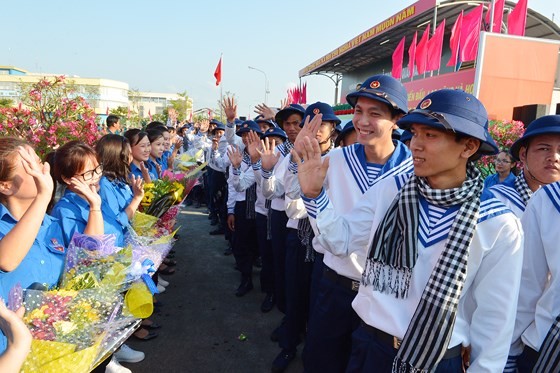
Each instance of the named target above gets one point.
<point>332,321</point>
<point>265,249</point>
<point>298,281</point>
<point>527,360</point>
<point>316,276</point>
<point>244,241</point>
<point>218,191</point>
<point>206,177</point>
<point>279,219</point>
<point>371,355</point>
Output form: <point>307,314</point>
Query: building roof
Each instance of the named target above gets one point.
<point>379,42</point>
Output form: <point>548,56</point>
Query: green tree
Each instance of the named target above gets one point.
<point>6,102</point>
<point>181,105</point>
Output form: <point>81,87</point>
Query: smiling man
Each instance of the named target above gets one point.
<point>443,265</point>
<point>378,104</point>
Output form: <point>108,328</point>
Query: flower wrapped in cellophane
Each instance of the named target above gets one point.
<point>148,250</point>
<point>160,195</point>
<point>96,261</point>
<point>73,330</point>
<point>185,162</point>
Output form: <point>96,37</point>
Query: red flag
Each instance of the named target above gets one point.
<point>304,94</point>
<point>107,111</point>
<point>411,55</point>
<point>218,72</point>
<point>422,52</point>
<point>435,45</point>
<point>498,15</point>
<point>150,114</point>
<point>518,18</point>
<point>455,39</point>
<point>296,95</point>
<point>470,32</point>
<point>398,57</point>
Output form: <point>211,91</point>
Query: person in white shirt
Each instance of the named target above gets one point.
<point>378,104</point>
<point>538,308</point>
<point>537,149</point>
<point>443,265</point>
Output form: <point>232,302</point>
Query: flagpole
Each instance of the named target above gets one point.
<point>221,95</point>
<point>492,16</point>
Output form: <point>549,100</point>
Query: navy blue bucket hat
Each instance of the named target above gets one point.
<point>219,126</point>
<point>383,88</point>
<point>283,114</point>
<point>248,125</point>
<point>547,125</point>
<point>320,108</point>
<point>270,122</point>
<point>456,111</point>
<point>406,136</point>
<point>348,127</point>
<point>275,131</point>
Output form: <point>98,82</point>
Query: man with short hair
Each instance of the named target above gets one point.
<point>113,124</point>
<point>443,264</point>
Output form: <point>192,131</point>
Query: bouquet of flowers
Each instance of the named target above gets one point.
<point>160,195</point>
<point>95,261</point>
<point>73,329</point>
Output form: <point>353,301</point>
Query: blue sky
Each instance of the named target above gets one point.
<point>174,46</point>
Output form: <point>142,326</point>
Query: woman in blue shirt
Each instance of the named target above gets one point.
<point>31,242</point>
<point>157,147</point>
<point>120,200</point>
<point>79,209</point>
<point>504,175</point>
<point>140,148</point>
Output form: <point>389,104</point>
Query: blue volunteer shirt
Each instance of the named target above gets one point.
<point>43,263</point>
<point>115,195</point>
<point>163,160</point>
<point>494,179</point>
<point>73,211</point>
<point>150,165</point>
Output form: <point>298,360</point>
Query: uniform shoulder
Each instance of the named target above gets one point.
<point>491,207</point>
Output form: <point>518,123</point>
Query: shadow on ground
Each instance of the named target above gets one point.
<point>201,317</point>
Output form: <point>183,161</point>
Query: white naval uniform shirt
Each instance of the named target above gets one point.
<point>486,310</point>
<point>349,176</point>
<point>539,296</point>
<point>272,181</point>
<point>508,196</point>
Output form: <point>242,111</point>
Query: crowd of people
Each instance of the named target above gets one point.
<point>378,241</point>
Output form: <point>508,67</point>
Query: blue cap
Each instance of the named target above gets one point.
<point>248,125</point>
<point>320,108</point>
<point>547,125</point>
<point>338,128</point>
<point>275,131</point>
<point>216,122</point>
<point>283,114</point>
<point>383,88</point>
<point>219,126</point>
<point>406,136</point>
<point>396,135</point>
<point>270,122</point>
<point>453,110</point>
<point>348,127</point>
<point>237,121</point>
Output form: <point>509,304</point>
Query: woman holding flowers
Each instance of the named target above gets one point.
<point>120,194</point>
<point>79,209</point>
<point>31,242</point>
<point>140,148</point>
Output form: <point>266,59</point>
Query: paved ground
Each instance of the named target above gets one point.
<point>201,317</point>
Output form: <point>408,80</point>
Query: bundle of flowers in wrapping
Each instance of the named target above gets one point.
<point>148,250</point>
<point>169,190</point>
<point>96,261</point>
<point>74,330</point>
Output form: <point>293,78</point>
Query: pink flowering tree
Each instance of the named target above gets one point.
<point>505,133</point>
<point>50,114</point>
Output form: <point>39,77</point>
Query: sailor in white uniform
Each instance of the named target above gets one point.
<point>537,149</point>
<point>443,265</point>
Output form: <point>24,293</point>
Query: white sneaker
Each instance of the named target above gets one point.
<point>115,367</point>
<point>162,282</point>
<point>160,288</point>
<point>126,354</point>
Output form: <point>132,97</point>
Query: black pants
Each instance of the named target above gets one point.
<point>245,245</point>
<point>278,232</point>
<point>265,249</point>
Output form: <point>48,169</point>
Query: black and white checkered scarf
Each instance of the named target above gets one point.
<point>523,188</point>
<point>549,354</point>
<point>251,192</point>
<point>393,255</point>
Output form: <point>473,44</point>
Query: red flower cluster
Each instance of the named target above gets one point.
<point>51,115</point>
<point>505,133</point>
